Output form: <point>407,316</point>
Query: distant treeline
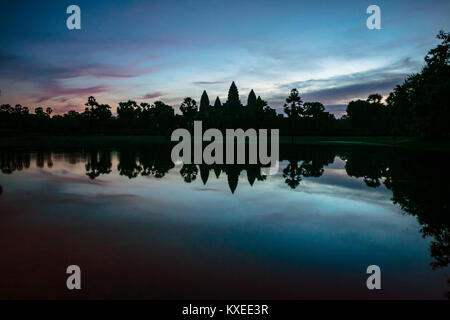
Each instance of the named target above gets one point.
<point>418,108</point>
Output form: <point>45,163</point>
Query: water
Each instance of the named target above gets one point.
<point>141,227</point>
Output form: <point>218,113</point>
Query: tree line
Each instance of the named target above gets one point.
<point>416,108</point>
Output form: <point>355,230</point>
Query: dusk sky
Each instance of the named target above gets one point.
<point>168,50</point>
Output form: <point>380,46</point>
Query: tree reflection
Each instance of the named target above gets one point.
<point>419,185</point>
<point>98,163</point>
<point>292,174</point>
<point>308,161</point>
<point>12,161</point>
<point>189,172</point>
<point>43,157</point>
<point>156,162</point>
<point>128,163</point>
<point>418,180</point>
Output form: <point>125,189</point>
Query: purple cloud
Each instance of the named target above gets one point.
<point>153,95</point>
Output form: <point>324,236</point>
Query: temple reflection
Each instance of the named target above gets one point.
<point>418,180</point>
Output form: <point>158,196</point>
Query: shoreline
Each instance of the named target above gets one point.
<point>375,141</point>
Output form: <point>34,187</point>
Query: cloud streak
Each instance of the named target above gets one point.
<point>339,90</point>
<point>153,95</point>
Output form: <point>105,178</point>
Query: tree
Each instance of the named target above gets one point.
<point>146,113</point>
<point>419,106</point>
<point>375,98</point>
<point>128,110</point>
<point>313,109</point>
<point>91,104</point>
<point>293,106</point>
<point>262,109</point>
<point>72,114</point>
<point>369,117</point>
<point>439,57</point>
<point>48,111</point>
<point>102,112</point>
<point>293,109</point>
<point>164,117</point>
<point>19,110</point>
<point>358,115</point>
<point>189,110</point>
<point>39,112</point>
<point>97,112</point>
<point>6,109</point>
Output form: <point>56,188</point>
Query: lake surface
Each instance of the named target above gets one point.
<point>141,227</point>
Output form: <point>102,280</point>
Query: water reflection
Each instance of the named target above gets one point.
<point>418,181</point>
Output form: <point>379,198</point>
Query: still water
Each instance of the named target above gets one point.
<point>141,227</point>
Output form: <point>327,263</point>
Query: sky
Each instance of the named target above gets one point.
<point>168,50</point>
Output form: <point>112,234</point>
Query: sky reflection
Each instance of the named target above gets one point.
<point>162,237</point>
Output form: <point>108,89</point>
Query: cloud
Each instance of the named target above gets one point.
<point>341,89</point>
<point>21,69</point>
<point>61,82</point>
<point>348,92</point>
<point>208,82</point>
<point>153,95</point>
<point>54,90</point>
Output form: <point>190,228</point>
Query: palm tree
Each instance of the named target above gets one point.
<point>189,110</point>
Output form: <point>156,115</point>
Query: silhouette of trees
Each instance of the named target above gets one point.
<point>369,117</point>
<point>418,180</point>
<point>189,110</point>
<point>164,116</point>
<point>156,161</point>
<point>420,105</point>
<point>189,172</point>
<point>417,108</point>
<point>13,161</point>
<point>98,163</point>
<point>97,114</point>
<point>293,109</point>
<point>306,162</point>
<point>96,111</point>
<point>313,109</point>
<point>415,187</point>
<point>128,165</point>
<point>294,105</point>
<point>128,110</point>
<point>292,174</point>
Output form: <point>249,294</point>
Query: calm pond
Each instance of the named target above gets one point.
<point>141,227</point>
